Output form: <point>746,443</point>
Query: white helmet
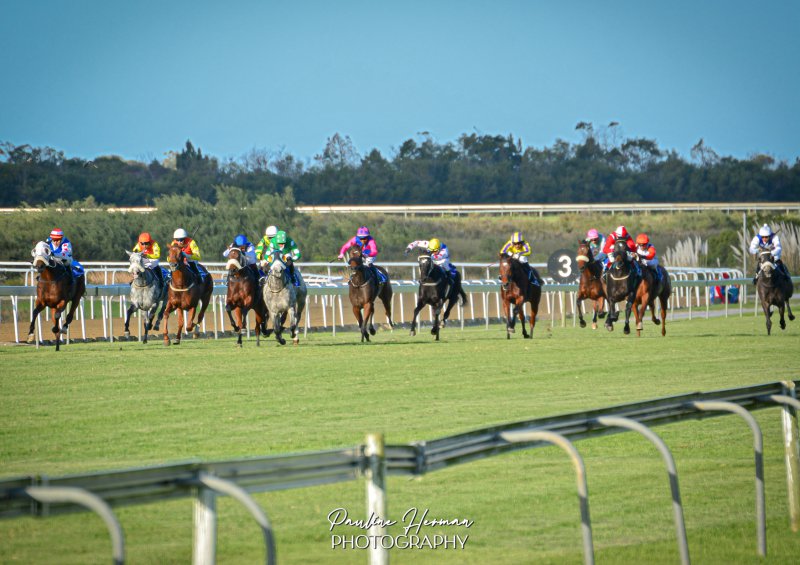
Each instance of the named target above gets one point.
<point>765,231</point>
<point>180,233</point>
<point>271,232</point>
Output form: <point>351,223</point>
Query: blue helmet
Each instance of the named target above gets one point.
<point>240,240</point>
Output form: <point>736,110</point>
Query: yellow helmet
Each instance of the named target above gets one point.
<point>434,245</point>
<point>517,238</point>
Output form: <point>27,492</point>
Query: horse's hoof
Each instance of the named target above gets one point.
<point>601,315</point>
<point>371,331</point>
<point>639,327</point>
<point>127,333</point>
<point>791,317</point>
<point>434,331</point>
<point>627,330</point>
<point>783,325</point>
<point>583,324</point>
<point>663,333</point>
<point>167,343</point>
<point>281,341</point>
<point>527,336</point>
<point>296,341</point>
<point>31,338</point>
<point>656,321</point>
<point>609,327</point>
<point>508,335</point>
<point>412,333</point>
<point>511,330</point>
<point>176,342</point>
<point>594,326</point>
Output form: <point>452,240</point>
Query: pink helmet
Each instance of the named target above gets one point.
<point>592,234</point>
<point>621,232</point>
<point>57,233</point>
<point>363,231</point>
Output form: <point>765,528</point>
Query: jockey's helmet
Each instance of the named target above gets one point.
<point>621,232</point>
<point>765,231</point>
<point>362,232</point>
<point>57,233</point>
<point>280,238</point>
<point>145,239</point>
<point>592,234</point>
<point>179,234</point>
<point>271,232</point>
<point>434,245</point>
<point>517,238</point>
<point>240,240</point>
<point>642,239</point>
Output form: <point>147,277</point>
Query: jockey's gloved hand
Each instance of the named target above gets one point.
<point>341,256</point>
<point>406,251</point>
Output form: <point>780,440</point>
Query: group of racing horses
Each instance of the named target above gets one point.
<point>281,296</point>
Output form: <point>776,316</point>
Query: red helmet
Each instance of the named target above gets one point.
<point>57,233</point>
<point>621,232</point>
<point>642,239</point>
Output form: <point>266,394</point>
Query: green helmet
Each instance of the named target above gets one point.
<point>280,237</point>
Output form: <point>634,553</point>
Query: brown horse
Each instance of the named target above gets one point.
<point>55,288</point>
<point>590,284</point>
<point>364,290</point>
<point>185,291</point>
<point>774,289</point>
<point>243,295</point>
<point>649,289</point>
<point>516,288</point>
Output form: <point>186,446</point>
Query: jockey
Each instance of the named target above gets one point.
<point>248,252</point>
<point>369,250</point>
<point>608,248</point>
<point>263,245</point>
<point>189,248</point>
<point>151,253</point>
<point>766,240</point>
<point>596,244</point>
<point>62,250</point>
<point>519,249</point>
<point>285,247</point>
<point>647,254</point>
<point>439,255</point>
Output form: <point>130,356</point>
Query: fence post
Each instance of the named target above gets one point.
<point>376,496</point>
<point>792,449</point>
<point>204,549</point>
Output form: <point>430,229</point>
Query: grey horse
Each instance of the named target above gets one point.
<point>147,292</point>
<point>282,297</point>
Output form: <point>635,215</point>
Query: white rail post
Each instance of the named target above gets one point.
<point>376,496</point>
<point>791,447</point>
<point>204,549</point>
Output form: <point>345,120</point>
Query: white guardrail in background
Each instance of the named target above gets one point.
<point>540,209</point>
<point>692,291</point>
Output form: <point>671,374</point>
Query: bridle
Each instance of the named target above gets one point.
<point>282,279</point>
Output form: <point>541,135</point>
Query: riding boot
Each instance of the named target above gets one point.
<point>295,282</point>
<point>159,275</point>
<point>375,274</point>
<point>755,278</point>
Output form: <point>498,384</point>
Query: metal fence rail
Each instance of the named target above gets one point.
<point>20,496</point>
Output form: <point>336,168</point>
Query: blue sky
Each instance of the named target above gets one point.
<point>139,78</point>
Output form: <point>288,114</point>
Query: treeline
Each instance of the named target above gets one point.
<point>100,235</point>
<point>474,169</point>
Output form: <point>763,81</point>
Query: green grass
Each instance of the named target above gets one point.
<point>102,406</point>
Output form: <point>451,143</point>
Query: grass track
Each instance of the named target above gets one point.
<point>127,405</point>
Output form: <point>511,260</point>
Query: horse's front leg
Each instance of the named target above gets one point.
<point>437,310</point>
<point>767,315</point>
<point>277,327</point>
<point>55,329</point>
<point>610,306</point>
<point>229,309</point>
<point>663,303</point>
<point>241,319</point>
<point>781,310</point>
<point>628,307</point>
<point>521,314</point>
<point>420,305</point>
<point>368,313</point>
<point>131,308</point>
<point>579,308</point>
<point>35,314</point>
<point>359,319</point>
<point>509,319</point>
<point>165,319</point>
<point>295,322</point>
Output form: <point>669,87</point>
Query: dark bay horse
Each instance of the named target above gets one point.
<point>185,292</point>
<point>364,290</point>
<point>55,288</point>
<point>435,289</point>
<point>774,289</point>
<point>243,295</point>
<point>649,289</point>
<point>621,280</point>
<point>517,289</point>
<point>590,284</point>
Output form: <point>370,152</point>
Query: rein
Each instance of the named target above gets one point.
<point>174,289</point>
<point>281,279</point>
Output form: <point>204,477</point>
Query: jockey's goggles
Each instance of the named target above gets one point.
<point>181,240</point>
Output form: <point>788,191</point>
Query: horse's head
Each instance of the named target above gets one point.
<point>136,263</point>
<point>620,253</point>
<point>506,270</point>
<point>425,265</point>
<point>234,263</point>
<point>175,257</point>
<point>42,256</point>
<point>355,259</point>
<point>584,255</point>
<point>766,263</point>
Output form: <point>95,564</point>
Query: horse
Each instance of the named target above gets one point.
<point>516,287</point>
<point>774,289</point>
<point>55,287</point>
<point>364,290</point>
<point>243,295</point>
<point>621,282</point>
<point>434,290</point>
<point>647,292</point>
<point>590,284</point>
<point>185,291</point>
<point>281,297</point>
<point>147,292</point>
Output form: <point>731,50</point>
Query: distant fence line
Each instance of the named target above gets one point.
<point>40,496</point>
<point>493,209</point>
<point>691,292</point>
